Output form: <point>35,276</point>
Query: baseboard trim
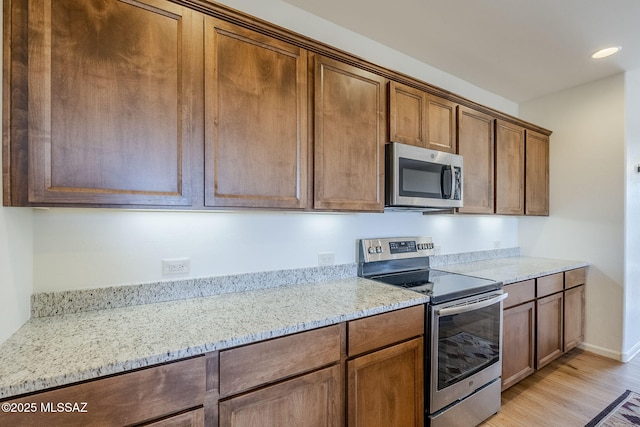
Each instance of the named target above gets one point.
<point>633,352</point>
<point>616,355</point>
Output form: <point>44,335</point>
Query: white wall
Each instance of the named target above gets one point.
<point>631,331</point>
<point>16,265</point>
<point>92,248</point>
<point>587,181</point>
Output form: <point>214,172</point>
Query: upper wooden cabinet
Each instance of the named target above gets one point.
<point>420,119</point>
<point>509,168</point>
<point>349,110</point>
<point>536,174</point>
<point>255,119</point>
<point>107,117</point>
<point>476,146</point>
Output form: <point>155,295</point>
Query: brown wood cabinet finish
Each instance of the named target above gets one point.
<point>476,146</point>
<point>547,285</point>
<point>536,174</point>
<point>126,399</point>
<point>509,168</point>
<point>109,100</point>
<point>247,367</point>
<point>574,304</point>
<point>549,329</point>
<point>310,400</point>
<point>575,277</point>
<point>441,124</point>
<point>349,133</point>
<point>518,343</point>
<point>384,329</point>
<point>193,418</point>
<point>255,119</point>
<point>408,118</point>
<point>520,292</point>
<point>385,388</point>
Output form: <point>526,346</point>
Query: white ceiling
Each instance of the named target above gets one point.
<point>518,49</point>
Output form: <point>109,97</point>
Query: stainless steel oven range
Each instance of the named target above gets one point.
<point>463,329</point>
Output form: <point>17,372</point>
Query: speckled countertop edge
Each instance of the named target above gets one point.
<point>97,343</point>
<point>513,269</point>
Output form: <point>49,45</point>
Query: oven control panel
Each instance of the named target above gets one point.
<point>394,248</point>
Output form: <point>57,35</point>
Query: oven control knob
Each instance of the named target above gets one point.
<point>379,249</point>
<point>371,250</point>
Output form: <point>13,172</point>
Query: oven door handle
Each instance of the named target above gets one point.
<point>475,306</point>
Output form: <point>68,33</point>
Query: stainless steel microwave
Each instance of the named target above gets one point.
<point>419,178</point>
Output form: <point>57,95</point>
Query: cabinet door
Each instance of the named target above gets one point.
<point>518,343</point>
<point>349,137</point>
<point>385,388</point>
<point>407,115</point>
<point>537,174</point>
<point>475,144</point>
<point>441,124</point>
<point>549,328</point>
<point>193,418</point>
<point>255,119</point>
<point>109,102</point>
<point>573,317</point>
<point>509,168</point>
<point>310,400</point>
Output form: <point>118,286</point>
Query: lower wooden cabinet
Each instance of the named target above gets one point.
<point>385,388</point>
<point>128,399</point>
<point>309,400</point>
<point>194,418</point>
<point>518,349</point>
<point>543,319</point>
<point>549,328</point>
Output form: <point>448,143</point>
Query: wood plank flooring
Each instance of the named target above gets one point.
<point>568,392</point>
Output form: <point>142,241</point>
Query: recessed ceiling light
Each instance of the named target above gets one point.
<point>603,53</point>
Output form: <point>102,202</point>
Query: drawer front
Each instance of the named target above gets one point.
<point>125,399</point>
<point>520,292</point>
<point>385,329</point>
<point>548,285</point>
<point>247,367</point>
<point>573,278</point>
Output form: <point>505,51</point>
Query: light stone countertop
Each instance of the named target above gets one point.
<point>513,269</point>
<point>58,350</point>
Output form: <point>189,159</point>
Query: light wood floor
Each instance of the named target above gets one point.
<point>568,392</point>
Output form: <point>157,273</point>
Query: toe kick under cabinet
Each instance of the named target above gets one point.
<point>543,319</point>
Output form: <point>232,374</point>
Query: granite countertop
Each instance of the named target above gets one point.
<point>59,350</point>
<point>79,335</point>
<point>513,269</point>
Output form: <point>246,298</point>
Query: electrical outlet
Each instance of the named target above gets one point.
<point>175,266</point>
<point>326,258</point>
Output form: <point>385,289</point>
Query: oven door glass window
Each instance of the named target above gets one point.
<point>467,343</point>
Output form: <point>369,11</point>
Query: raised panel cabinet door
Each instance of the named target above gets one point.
<point>549,329</point>
<point>256,140</point>
<point>194,418</point>
<point>509,168</point>
<point>441,124</point>
<point>349,109</point>
<point>476,146</point>
<point>574,317</point>
<point>407,115</point>
<point>385,388</point>
<point>536,201</point>
<point>313,400</point>
<point>518,343</point>
<point>109,102</point>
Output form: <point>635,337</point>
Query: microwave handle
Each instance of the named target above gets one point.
<point>448,192</point>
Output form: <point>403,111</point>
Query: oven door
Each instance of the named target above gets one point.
<point>465,347</point>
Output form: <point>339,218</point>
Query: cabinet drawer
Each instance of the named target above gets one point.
<point>125,399</point>
<point>573,278</point>
<point>385,329</point>
<point>520,292</point>
<point>548,285</point>
<point>246,367</point>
